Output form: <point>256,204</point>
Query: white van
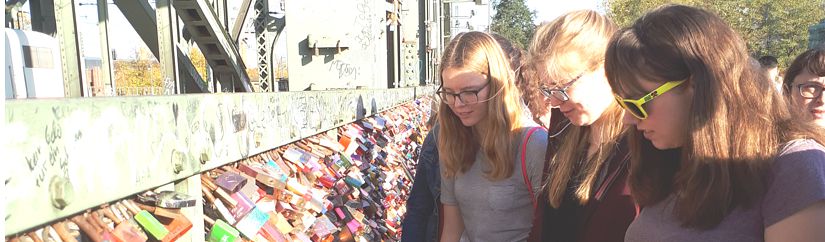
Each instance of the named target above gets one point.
<point>32,65</point>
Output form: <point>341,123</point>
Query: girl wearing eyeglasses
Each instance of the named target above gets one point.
<point>586,184</point>
<point>804,82</point>
<point>715,157</point>
<point>481,142</point>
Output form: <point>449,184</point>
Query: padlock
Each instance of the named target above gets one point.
<point>296,187</point>
<point>249,189</point>
<point>221,231</point>
<point>225,212</point>
<point>345,235</point>
<point>231,181</point>
<point>271,233</point>
<point>172,219</point>
<point>332,145</point>
<point>221,194</point>
<point>167,199</point>
<point>149,223</point>
<point>316,200</point>
<point>280,222</point>
<point>302,238</point>
<point>297,156</point>
<point>126,229</point>
<point>323,227</point>
<point>277,181</point>
<point>250,224</point>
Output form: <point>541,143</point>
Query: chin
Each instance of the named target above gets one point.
<point>469,122</point>
<point>820,122</point>
<point>664,146</point>
<point>580,121</point>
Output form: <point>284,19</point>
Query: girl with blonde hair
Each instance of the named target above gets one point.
<point>489,158</point>
<point>586,186</point>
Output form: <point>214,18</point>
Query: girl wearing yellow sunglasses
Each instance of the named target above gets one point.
<point>715,154</point>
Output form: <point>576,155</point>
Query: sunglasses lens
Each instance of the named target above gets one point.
<point>633,109</point>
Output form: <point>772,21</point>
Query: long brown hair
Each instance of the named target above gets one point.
<point>572,43</point>
<point>457,144</point>
<point>735,129</point>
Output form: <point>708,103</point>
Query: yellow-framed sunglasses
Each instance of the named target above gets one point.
<point>634,106</point>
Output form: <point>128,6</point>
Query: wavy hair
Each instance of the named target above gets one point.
<point>529,89</point>
<point>457,144</point>
<point>570,44</point>
<point>736,127</point>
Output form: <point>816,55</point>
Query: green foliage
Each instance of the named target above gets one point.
<point>142,72</point>
<point>778,28</point>
<point>514,21</point>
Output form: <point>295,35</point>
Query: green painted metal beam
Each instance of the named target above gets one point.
<point>220,52</point>
<point>107,69</point>
<point>70,57</point>
<point>141,15</point>
<point>167,28</point>
<point>67,155</point>
<point>240,20</point>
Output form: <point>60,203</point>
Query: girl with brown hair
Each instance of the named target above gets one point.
<point>715,155</point>
<point>804,83</point>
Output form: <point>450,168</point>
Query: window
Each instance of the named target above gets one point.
<point>37,57</point>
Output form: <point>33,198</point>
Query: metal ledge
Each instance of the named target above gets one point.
<point>91,151</point>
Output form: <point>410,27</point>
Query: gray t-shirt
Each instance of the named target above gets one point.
<point>500,211</point>
<point>797,180</point>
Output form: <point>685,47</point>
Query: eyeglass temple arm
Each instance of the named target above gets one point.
<point>662,89</point>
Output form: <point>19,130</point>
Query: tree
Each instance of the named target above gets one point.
<point>514,21</point>
<point>198,60</point>
<point>138,76</point>
<point>768,27</point>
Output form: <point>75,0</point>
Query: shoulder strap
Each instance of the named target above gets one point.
<point>524,166</point>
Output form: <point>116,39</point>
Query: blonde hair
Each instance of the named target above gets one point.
<point>573,43</point>
<point>457,144</point>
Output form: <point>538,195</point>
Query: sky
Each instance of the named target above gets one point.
<point>547,10</point>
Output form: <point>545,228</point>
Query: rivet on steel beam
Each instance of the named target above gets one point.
<point>61,191</point>
<point>204,158</point>
<point>177,161</point>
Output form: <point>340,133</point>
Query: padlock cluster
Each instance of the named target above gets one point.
<point>154,217</point>
<point>348,184</point>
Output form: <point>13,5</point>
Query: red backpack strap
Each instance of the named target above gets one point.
<point>524,166</point>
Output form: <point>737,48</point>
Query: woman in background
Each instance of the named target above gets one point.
<point>804,82</point>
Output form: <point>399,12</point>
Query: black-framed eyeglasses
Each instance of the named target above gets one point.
<point>466,97</point>
<point>810,90</point>
<point>559,93</point>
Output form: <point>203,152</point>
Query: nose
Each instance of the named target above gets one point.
<point>629,119</point>
<point>458,103</point>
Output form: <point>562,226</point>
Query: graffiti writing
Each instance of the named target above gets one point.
<point>364,19</point>
<point>54,153</point>
<point>344,69</point>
